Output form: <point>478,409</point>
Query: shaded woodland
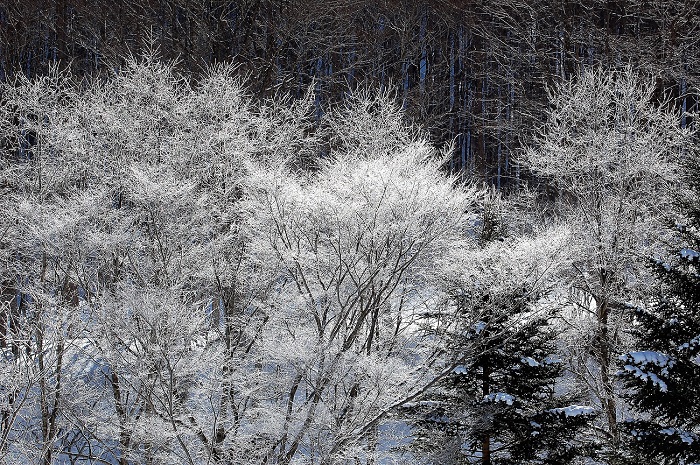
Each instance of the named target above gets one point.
<point>472,72</point>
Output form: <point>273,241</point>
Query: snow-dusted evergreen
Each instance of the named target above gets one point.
<point>662,373</point>
<point>502,405</point>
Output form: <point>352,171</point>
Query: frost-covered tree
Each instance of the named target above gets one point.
<point>607,150</point>
<point>169,260</point>
<point>177,154</point>
<point>353,249</point>
<point>662,374</point>
<point>39,311</point>
<point>121,261</point>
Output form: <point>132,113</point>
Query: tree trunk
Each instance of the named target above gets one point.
<point>486,440</point>
<point>602,352</point>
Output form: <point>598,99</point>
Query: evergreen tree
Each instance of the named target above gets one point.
<point>662,376</point>
<point>501,405</point>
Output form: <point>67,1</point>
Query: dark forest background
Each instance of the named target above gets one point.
<point>472,72</point>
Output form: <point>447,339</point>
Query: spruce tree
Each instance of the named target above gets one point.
<point>500,406</point>
<point>662,376</point>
